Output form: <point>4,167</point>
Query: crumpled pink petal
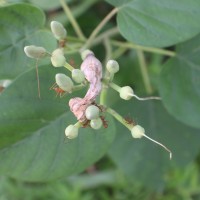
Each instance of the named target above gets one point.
<point>92,69</point>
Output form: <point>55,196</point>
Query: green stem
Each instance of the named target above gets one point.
<point>118,52</point>
<point>107,77</point>
<point>75,39</point>
<point>115,87</point>
<point>108,49</point>
<point>148,49</point>
<point>104,91</point>
<point>73,46</point>
<point>103,96</point>
<point>107,34</point>
<point>68,66</point>
<point>82,7</point>
<point>119,118</point>
<point>72,19</point>
<point>78,124</point>
<point>68,52</point>
<point>78,87</point>
<point>98,28</point>
<point>143,67</point>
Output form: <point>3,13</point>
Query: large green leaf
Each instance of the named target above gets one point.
<point>32,145</point>
<point>158,23</point>
<point>180,83</point>
<point>21,25</point>
<point>143,161</point>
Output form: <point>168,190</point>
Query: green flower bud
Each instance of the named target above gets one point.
<point>6,83</point>
<point>64,82</point>
<point>92,112</point>
<point>35,52</point>
<point>96,123</point>
<point>85,53</point>
<point>126,92</point>
<point>58,58</point>
<point>71,131</point>
<point>137,131</point>
<point>112,66</point>
<point>58,30</point>
<point>78,76</point>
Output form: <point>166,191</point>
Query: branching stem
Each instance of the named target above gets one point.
<point>119,118</point>
<point>98,28</point>
<point>145,75</point>
<point>104,90</point>
<point>68,66</point>
<point>107,34</point>
<point>115,86</point>
<point>118,52</point>
<point>108,49</point>
<point>129,45</point>
<point>72,19</point>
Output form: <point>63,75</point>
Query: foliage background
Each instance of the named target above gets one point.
<point>35,162</point>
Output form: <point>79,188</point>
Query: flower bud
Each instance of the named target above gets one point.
<point>58,30</point>
<point>78,76</point>
<point>92,112</point>
<point>71,131</point>
<point>64,82</point>
<point>137,131</point>
<point>35,52</point>
<point>85,53</point>
<point>96,123</point>
<point>6,83</point>
<point>58,58</point>
<point>112,66</point>
<point>126,92</point>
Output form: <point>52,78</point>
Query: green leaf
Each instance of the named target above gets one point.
<point>47,4</point>
<point>3,2</point>
<point>142,160</point>
<point>32,140</point>
<point>21,25</point>
<point>158,23</point>
<point>180,84</point>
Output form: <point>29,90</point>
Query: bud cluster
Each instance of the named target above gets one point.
<point>86,110</point>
